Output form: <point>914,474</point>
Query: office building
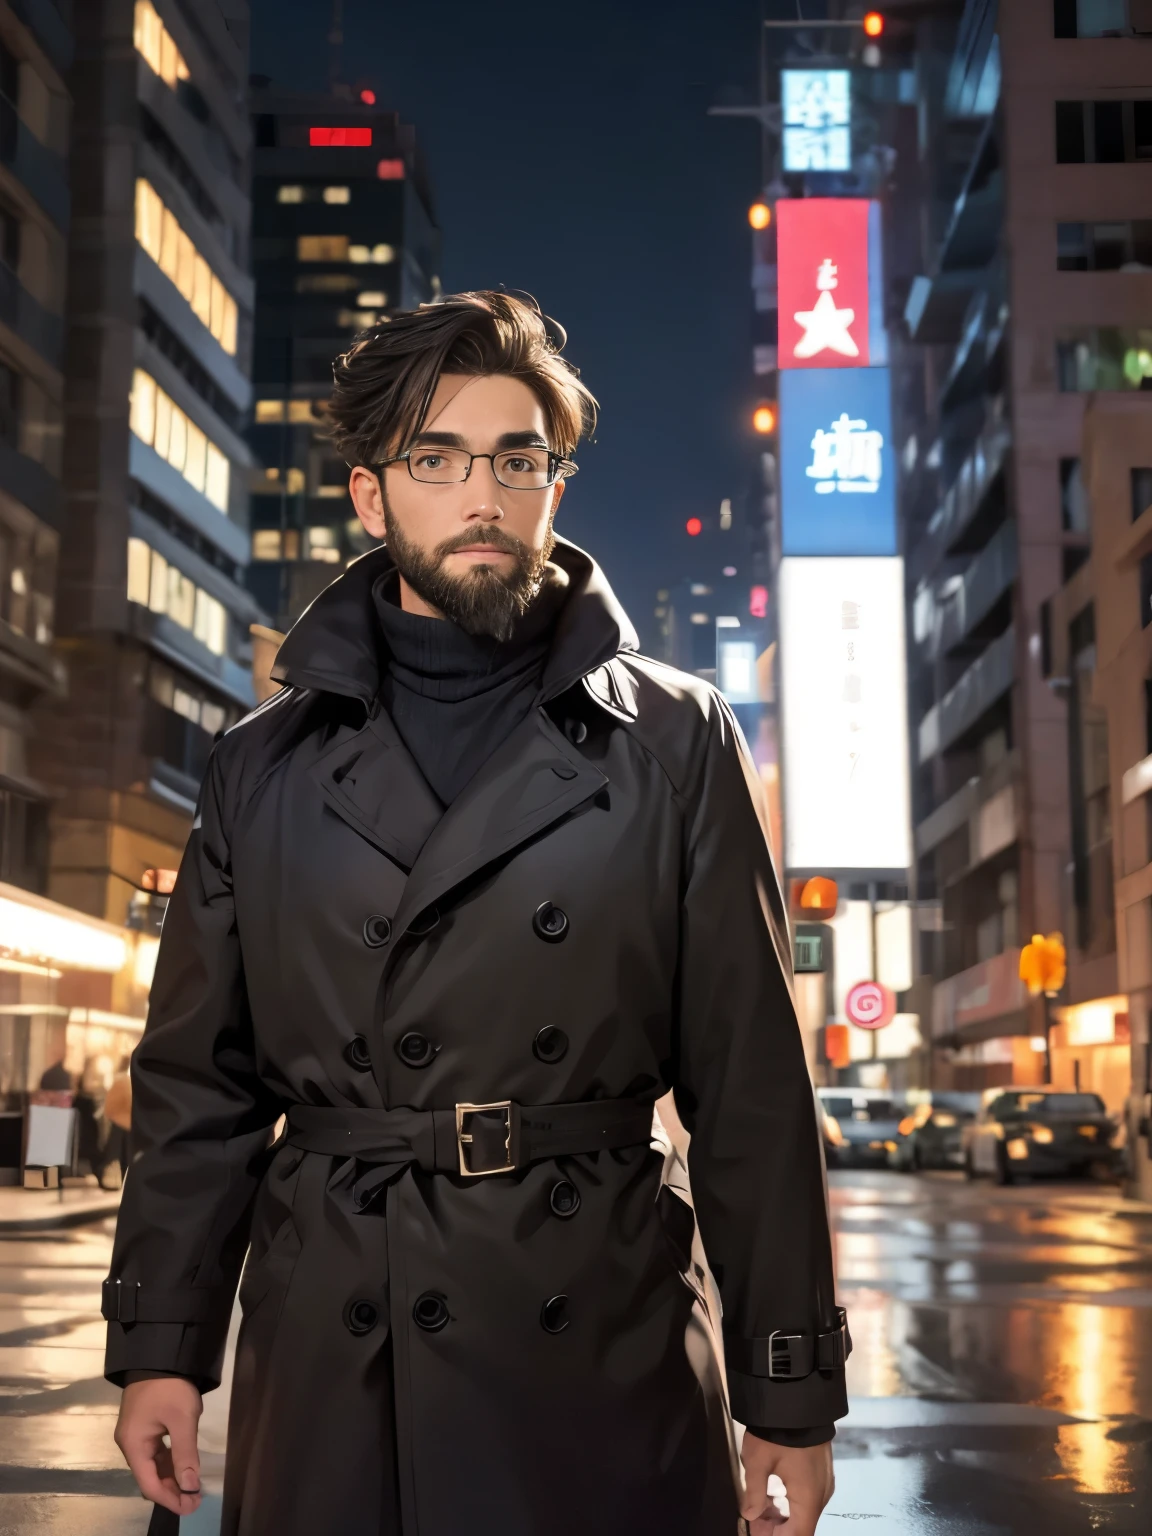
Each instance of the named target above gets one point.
<point>344,233</point>
<point>1028,322</point>
<point>152,612</point>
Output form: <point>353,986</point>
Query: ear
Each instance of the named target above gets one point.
<point>557,492</point>
<point>364,488</point>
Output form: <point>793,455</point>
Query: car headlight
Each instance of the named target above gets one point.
<point>907,1125</point>
<point>1042,1134</point>
<point>945,1122</point>
<point>1018,1149</point>
<point>832,1132</point>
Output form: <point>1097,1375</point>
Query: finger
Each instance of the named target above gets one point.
<point>185,1455</point>
<point>140,1452</point>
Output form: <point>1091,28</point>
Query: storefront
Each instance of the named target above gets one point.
<point>982,1029</point>
<point>1092,1050</point>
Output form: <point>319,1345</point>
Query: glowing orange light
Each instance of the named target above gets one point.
<point>368,97</point>
<point>694,526</point>
<point>759,215</point>
<point>873,24</point>
<point>764,418</point>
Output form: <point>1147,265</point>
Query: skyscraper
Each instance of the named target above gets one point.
<point>152,612</point>
<point>343,234</point>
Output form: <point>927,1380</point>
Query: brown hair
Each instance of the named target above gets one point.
<point>384,383</point>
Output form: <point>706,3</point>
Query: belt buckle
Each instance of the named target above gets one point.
<point>464,1137</point>
<point>786,1371</point>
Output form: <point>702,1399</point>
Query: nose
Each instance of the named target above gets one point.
<point>485,494</point>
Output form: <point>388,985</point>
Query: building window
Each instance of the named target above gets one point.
<point>1104,357</point>
<point>380,255</point>
<point>327,282</point>
<point>290,194</point>
<point>161,424</point>
<point>1141,483</point>
<point>27,581</point>
<point>1073,498</point>
<point>1091,18</point>
<point>1103,132</point>
<point>337,194</point>
<point>322,248</point>
<point>300,412</point>
<point>173,252</point>
<point>1117,247</point>
<point>270,482</point>
<point>156,45</point>
<point>160,587</point>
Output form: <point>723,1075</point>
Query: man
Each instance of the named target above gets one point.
<point>462,901</point>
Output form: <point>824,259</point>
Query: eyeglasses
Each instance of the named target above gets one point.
<point>519,469</point>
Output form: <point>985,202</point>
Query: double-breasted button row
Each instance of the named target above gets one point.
<point>361,1315</point>
<point>377,930</point>
<point>357,1054</point>
<point>564,1199</point>
<point>430,1312</point>
<point>416,1050</point>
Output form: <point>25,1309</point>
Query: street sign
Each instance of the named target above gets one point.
<point>869,1005</point>
<point>807,953</point>
<point>837,482</point>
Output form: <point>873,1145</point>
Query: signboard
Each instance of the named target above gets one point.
<point>736,667</point>
<point>816,107</point>
<point>837,468</point>
<point>844,716</point>
<point>830,283</point>
<point>869,1005</point>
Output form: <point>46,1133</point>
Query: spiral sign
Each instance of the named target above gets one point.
<point>869,1005</point>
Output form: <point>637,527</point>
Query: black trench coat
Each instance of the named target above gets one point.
<point>462,1354</point>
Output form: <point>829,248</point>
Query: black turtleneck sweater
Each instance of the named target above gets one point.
<point>454,697</point>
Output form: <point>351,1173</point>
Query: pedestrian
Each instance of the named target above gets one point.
<point>118,1113</point>
<point>461,901</point>
<point>91,1126</point>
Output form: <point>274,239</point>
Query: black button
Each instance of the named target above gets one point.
<point>430,1312</point>
<point>425,922</point>
<point>550,1045</point>
<point>361,1316</point>
<point>415,1049</point>
<point>550,923</point>
<point>563,770</point>
<point>357,1055</point>
<point>564,1198</point>
<point>576,731</point>
<point>377,930</point>
<point>554,1314</point>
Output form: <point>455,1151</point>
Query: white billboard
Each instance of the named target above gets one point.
<point>844,713</point>
<point>817,113</point>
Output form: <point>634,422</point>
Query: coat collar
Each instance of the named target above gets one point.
<point>337,646</point>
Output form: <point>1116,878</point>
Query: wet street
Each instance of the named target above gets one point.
<point>1001,1380</point>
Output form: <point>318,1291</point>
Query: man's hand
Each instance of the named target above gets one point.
<point>805,1472</point>
<point>149,1410</point>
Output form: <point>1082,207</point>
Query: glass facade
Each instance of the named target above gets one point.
<point>157,585</point>
<point>161,424</point>
<point>173,252</point>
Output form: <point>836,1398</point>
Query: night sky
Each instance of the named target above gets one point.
<point>571,155</point>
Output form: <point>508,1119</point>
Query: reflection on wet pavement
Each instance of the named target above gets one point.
<point>1002,1375</point>
<point>1001,1381</point>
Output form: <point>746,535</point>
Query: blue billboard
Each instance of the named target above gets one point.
<point>837,468</point>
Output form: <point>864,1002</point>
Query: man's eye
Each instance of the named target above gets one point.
<point>519,465</point>
<point>430,461</point>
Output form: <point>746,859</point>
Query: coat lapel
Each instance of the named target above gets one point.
<point>372,783</point>
<point>529,783</point>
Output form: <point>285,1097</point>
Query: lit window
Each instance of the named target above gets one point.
<point>326,282</point>
<point>372,296</point>
<point>266,544</point>
<point>269,410</point>
<point>324,248</point>
<point>290,194</point>
<point>186,704</point>
<point>355,319</point>
<point>161,424</point>
<point>390,170</point>
<point>301,412</point>
<point>383,254</point>
<point>359,253</point>
<point>213,717</point>
<point>155,584</point>
<point>156,45</point>
<point>699,618</point>
<point>172,250</point>
<point>337,194</point>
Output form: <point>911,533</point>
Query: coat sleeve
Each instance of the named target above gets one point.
<point>201,1123</point>
<point>743,1091</point>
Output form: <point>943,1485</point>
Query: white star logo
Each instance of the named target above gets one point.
<point>825,326</point>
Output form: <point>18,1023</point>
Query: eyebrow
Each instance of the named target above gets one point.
<point>530,439</point>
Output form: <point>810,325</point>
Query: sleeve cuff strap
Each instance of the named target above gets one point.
<point>127,1302</point>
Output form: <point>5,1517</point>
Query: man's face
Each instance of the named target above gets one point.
<point>473,551</point>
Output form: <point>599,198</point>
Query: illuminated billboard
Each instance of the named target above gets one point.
<point>816,107</point>
<point>830,283</point>
<point>844,715</point>
<point>837,467</point>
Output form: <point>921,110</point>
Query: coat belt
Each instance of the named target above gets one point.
<point>471,1140</point>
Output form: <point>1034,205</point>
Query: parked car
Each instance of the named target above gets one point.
<point>929,1136</point>
<point>858,1125</point>
<point>1023,1131</point>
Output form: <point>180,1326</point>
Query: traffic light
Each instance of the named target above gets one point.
<point>764,418</point>
<point>1044,964</point>
<point>759,215</point>
<point>873,24</point>
<point>815,900</point>
<point>694,527</point>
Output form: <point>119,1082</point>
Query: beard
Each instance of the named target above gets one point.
<point>485,600</point>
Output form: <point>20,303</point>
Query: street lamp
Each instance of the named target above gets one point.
<point>1043,968</point>
<point>873,24</point>
<point>759,215</point>
<point>764,418</point>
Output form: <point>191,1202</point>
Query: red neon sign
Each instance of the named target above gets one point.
<point>390,170</point>
<point>758,602</point>
<point>825,284</point>
<point>339,138</point>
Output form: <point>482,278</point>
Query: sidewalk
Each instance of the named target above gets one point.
<point>40,1210</point>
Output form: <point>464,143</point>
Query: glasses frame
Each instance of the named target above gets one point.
<point>559,468</point>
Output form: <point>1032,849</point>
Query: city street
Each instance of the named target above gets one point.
<point>1001,1380</point>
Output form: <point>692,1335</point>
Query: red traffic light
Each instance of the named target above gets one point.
<point>368,96</point>
<point>694,526</point>
<point>873,24</point>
